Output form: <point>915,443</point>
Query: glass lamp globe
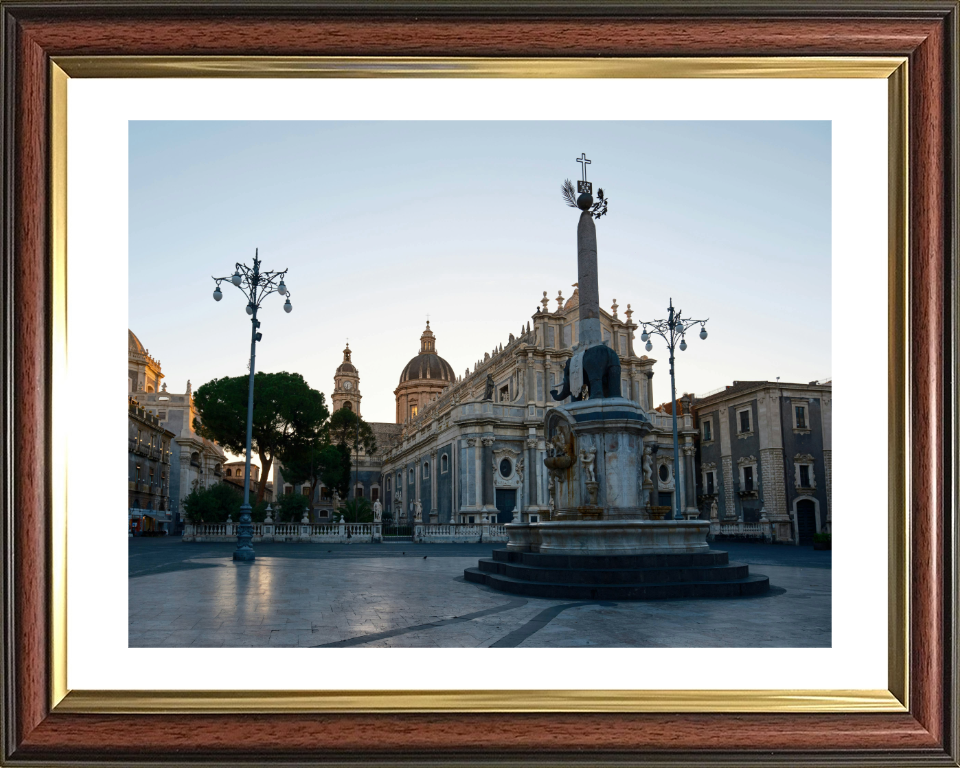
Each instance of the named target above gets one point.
<point>649,346</point>
<point>235,279</point>
<point>703,332</point>
<point>644,336</point>
<point>683,344</point>
<point>217,295</point>
<point>288,307</point>
<point>282,288</point>
<point>249,309</point>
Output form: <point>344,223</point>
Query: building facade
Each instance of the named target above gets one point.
<point>765,450</point>
<point>471,447</point>
<point>195,462</point>
<point>148,470</point>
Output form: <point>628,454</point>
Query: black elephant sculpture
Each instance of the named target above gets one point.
<point>601,374</point>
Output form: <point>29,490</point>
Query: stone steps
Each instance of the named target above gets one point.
<point>622,577</point>
<point>661,575</point>
<point>751,585</point>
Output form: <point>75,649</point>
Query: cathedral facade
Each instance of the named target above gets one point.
<point>470,448</point>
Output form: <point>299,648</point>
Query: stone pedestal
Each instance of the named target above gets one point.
<point>611,430</point>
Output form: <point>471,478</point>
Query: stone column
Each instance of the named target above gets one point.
<point>454,480</point>
<point>531,471</point>
<point>531,379</point>
<point>587,281</point>
<point>689,483</point>
<point>477,473</point>
<point>434,507</point>
<point>540,454</point>
<point>649,405</point>
<point>487,475</point>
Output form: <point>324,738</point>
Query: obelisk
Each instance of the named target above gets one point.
<point>587,264</point>
<point>587,276</point>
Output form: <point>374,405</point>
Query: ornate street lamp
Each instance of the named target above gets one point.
<point>255,286</point>
<point>672,331</point>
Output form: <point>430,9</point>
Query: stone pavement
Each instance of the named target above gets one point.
<point>414,596</point>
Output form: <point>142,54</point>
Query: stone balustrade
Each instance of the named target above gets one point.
<point>739,529</point>
<point>343,533</point>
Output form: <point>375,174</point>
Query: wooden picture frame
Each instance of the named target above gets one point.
<point>41,724</point>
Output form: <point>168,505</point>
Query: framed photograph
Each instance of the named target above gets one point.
<point>109,115</point>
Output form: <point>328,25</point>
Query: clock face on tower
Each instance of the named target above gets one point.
<point>348,385</point>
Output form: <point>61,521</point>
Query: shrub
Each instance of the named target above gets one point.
<point>213,504</point>
<point>821,538</point>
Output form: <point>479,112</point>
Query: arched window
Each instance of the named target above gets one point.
<point>443,463</point>
<point>195,459</point>
<point>426,469</point>
<point>348,405</point>
<point>229,473</point>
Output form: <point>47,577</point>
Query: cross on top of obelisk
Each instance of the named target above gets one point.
<point>584,186</point>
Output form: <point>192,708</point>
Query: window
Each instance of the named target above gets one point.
<point>707,430</point>
<point>288,490</point>
<point>710,483</point>
<point>623,343</point>
<point>326,494</point>
<point>349,406</point>
<point>151,475</point>
<point>506,468</point>
<point>374,494</point>
<point>443,463</point>
<point>567,336</point>
<point>539,386</point>
<point>307,491</point>
<point>748,478</point>
<point>804,476</point>
<point>229,473</point>
<point>664,473</point>
<point>551,340</point>
<point>413,411</point>
<point>411,475</point>
<point>139,471</point>
<point>358,492</point>
<point>162,415</point>
<point>388,485</point>
<point>426,469</point>
<point>744,417</point>
<point>800,415</point>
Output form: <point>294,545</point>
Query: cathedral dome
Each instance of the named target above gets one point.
<point>133,344</point>
<point>573,301</point>
<point>428,365</point>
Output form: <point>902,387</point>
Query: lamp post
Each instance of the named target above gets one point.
<point>672,331</point>
<point>255,286</point>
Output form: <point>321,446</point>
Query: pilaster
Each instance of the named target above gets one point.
<point>730,507</point>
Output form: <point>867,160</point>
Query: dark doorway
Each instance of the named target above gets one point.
<point>506,501</point>
<point>806,521</point>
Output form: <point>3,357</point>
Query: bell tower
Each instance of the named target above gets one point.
<point>346,385</point>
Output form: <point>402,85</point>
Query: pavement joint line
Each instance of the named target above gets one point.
<point>538,622</point>
<point>362,639</point>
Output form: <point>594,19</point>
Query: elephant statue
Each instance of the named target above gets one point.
<point>601,374</point>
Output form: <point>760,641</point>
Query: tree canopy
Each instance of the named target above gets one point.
<point>343,430</point>
<point>287,412</point>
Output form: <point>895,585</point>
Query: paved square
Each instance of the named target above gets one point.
<point>414,596</point>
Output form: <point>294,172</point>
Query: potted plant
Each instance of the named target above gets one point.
<point>821,541</point>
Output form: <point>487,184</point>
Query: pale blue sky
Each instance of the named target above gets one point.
<point>383,223</point>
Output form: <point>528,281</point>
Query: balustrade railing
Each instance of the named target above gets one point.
<point>741,528</point>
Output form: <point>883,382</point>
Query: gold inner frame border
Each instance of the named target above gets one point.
<point>894,699</point>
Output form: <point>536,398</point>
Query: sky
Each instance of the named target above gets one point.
<point>384,223</point>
